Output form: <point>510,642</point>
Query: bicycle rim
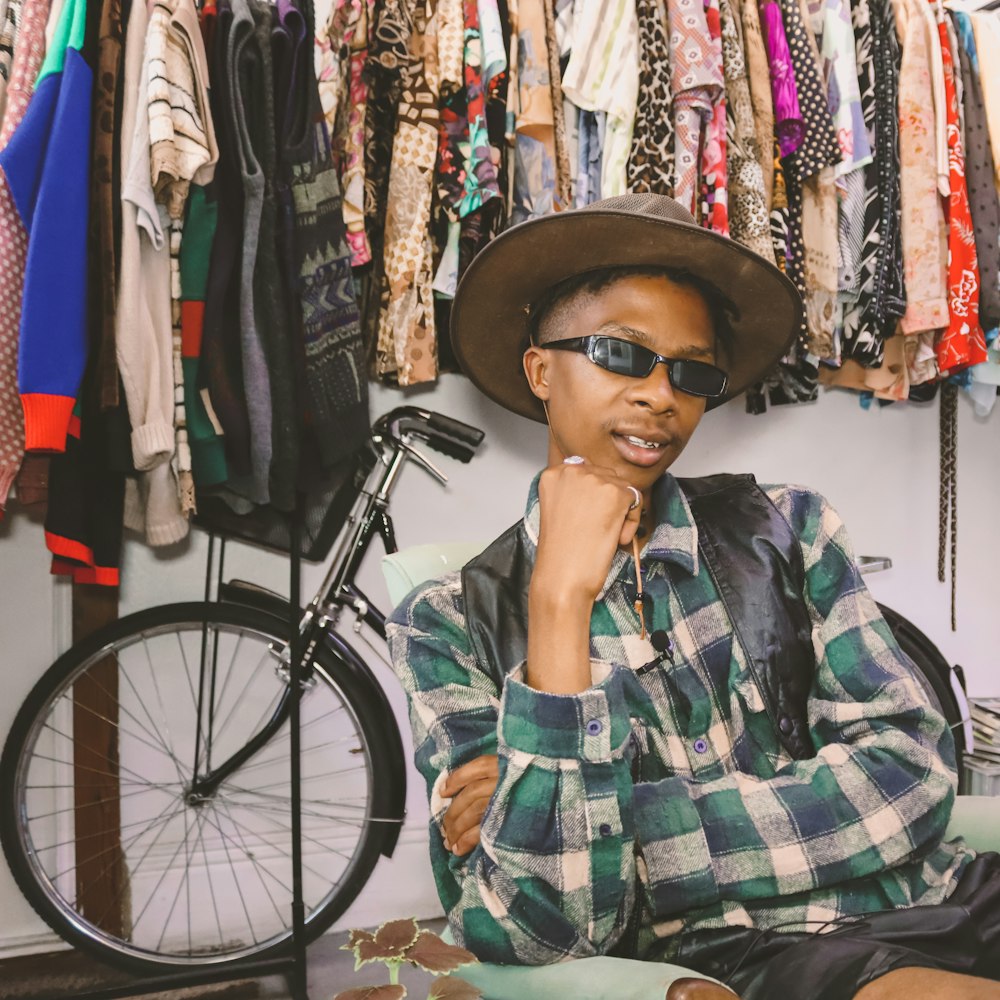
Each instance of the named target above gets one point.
<point>121,853</point>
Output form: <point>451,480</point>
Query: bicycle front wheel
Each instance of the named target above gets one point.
<point>98,819</point>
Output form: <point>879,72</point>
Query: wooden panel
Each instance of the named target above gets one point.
<point>101,879</point>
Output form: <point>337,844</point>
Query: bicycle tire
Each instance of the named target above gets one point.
<point>245,817</point>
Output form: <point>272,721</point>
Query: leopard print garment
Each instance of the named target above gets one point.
<point>651,159</point>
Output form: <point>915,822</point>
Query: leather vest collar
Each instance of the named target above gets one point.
<point>755,563</point>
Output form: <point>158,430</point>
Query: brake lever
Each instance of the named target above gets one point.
<point>421,459</point>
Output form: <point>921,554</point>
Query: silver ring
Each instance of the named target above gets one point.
<point>573,460</point>
<point>638,498</point>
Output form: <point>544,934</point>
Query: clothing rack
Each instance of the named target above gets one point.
<point>292,966</point>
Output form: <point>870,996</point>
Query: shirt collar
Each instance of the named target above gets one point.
<point>674,537</point>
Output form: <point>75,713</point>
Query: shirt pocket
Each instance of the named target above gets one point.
<point>757,750</point>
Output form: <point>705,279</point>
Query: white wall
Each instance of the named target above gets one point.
<point>879,468</point>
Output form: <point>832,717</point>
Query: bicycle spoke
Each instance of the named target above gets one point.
<point>94,770</point>
<point>147,864</point>
<point>123,848</point>
<point>167,741</point>
<point>224,725</point>
<point>125,732</point>
<point>267,815</point>
<point>274,847</point>
<point>133,871</point>
<point>256,867</point>
<point>239,889</point>
<point>88,805</point>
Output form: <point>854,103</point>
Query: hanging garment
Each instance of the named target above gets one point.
<point>323,322</point>
<point>14,243</point>
<point>534,180</point>
<point>208,454</point>
<point>603,76</point>
<point>979,176</point>
<point>47,166</point>
<point>251,101</point>
<point>10,22</point>
<point>697,85</point>
<point>143,322</point>
<point>183,151</point>
<point>481,180</point>
<point>387,55</point>
<point>105,197</point>
<point>923,230</point>
<point>344,94</point>
<point>85,504</point>
<point>748,215</point>
<point>819,193</point>
<point>755,54</point>
<point>651,159</point>
<point>590,129</point>
<point>788,125</point>
<point>872,318</point>
<point>962,343</point>
<point>407,349</point>
<point>714,181</point>
<point>221,370</point>
<point>555,46</point>
<point>986,28</point>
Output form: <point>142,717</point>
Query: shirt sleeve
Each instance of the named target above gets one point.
<point>554,874</point>
<point>878,792</point>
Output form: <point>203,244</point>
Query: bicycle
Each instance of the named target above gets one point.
<point>134,797</point>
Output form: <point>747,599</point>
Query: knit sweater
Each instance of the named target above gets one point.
<point>143,332</point>
<point>14,242</point>
<point>47,163</point>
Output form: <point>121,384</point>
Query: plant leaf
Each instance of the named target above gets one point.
<point>432,954</point>
<point>397,935</point>
<point>386,992</point>
<point>355,938</point>
<point>372,951</point>
<point>453,988</point>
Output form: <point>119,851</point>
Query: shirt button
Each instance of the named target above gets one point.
<point>700,746</point>
<point>594,727</point>
<point>605,829</point>
<point>785,724</point>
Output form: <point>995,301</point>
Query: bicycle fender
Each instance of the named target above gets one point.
<point>396,779</point>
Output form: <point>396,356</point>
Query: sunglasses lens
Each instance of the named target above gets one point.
<point>698,378</point>
<point>622,357</point>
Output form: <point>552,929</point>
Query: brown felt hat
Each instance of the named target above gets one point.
<point>490,315</point>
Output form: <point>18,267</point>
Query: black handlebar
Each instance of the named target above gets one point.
<point>456,429</point>
<point>444,434</point>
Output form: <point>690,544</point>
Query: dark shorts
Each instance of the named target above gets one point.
<point>961,935</point>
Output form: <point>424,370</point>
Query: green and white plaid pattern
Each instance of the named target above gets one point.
<point>669,791</point>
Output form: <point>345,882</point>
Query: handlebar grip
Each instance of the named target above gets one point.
<point>456,429</point>
<point>453,449</point>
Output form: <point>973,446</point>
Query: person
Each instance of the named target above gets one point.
<point>664,718</point>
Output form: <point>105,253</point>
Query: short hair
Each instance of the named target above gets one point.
<point>720,310</point>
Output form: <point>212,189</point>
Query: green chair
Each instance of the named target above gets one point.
<point>976,818</point>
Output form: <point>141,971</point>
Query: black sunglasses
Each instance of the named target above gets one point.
<point>624,357</point>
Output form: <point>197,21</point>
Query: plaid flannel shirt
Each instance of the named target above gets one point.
<point>666,798</point>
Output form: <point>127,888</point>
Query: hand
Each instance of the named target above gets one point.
<point>585,517</point>
<point>470,788</point>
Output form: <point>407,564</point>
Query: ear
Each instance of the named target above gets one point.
<point>534,372</point>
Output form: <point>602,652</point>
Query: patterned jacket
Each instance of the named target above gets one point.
<point>665,801</point>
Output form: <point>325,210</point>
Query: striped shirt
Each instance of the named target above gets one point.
<point>666,796</point>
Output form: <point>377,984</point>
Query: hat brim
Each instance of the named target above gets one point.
<point>489,320</point>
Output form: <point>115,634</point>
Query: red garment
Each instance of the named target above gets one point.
<point>962,344</point>
<point>715,178</point>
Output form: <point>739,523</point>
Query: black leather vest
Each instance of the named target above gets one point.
<point>756,565</point>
